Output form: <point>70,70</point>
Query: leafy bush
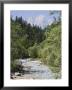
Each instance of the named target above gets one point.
<point>16,67</point>
<point>33,51</point>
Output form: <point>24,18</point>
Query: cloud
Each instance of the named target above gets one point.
<point>30,20</point>
<point>39,20</point>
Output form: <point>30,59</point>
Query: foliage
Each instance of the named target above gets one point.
<point>16,67</point>
<point>50,50</point>
<point>32,41</point>
<point>33,51</point>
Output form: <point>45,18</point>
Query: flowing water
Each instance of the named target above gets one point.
<point>34,69</point>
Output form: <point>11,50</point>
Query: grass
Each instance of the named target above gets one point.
<point>56,71</point>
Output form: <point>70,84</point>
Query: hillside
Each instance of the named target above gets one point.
<point>50,48</point>
<point>34,42</point>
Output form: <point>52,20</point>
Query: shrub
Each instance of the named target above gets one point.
<point>15,67</point>
<point>33,51</point>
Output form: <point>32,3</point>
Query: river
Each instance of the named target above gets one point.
<point>35,69</point>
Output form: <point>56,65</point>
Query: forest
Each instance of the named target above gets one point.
<point>31,41</point>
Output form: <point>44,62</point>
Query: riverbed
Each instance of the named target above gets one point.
<point>34,69</point>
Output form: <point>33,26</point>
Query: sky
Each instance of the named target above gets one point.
<point>41,18</point>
